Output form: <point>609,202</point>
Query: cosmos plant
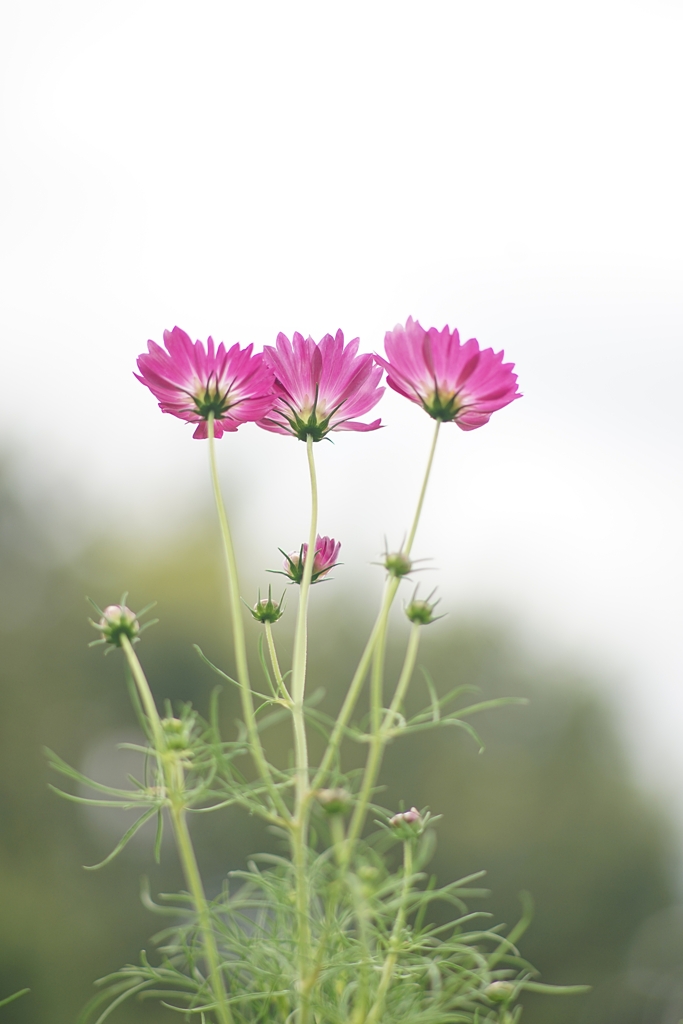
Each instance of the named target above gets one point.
<point>341,930</point>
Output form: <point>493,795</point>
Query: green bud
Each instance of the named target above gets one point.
<point>408,824</point>
<point>397,564</point>
<point>267,610</point>
<point>422,612</point>
<point>118,621</point>
<point>500,991</point>
<point>178,732</point>
<point>334,801</point>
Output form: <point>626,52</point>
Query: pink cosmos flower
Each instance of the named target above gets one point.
<point>320,387</point>
<point>325,559</point>
<point>451,381</point>
<point>191,382</point>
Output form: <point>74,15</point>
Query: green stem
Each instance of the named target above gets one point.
<point>376,743</point>
<point>377,1008</point>
<point>420,501</point>
<point>356,685</point>
<point>194,884</point>
<point>379,735</point>
<point>301,643</point>
<point>406,675</point>
<point>173,778</point>
<point>238,633</point>
<point>302,791</point>
<point>382,733</point>
<point>146,697</point>
<point>279,679</point>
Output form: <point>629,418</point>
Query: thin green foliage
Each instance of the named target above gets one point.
<point>339,928</point>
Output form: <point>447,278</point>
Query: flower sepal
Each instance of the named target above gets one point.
<point>178,732</point>
<point>334,801</point>
<point>421,612</point>
<point>408,824</point>
<point>325,559</point>
<point>117,621</point>
<point>268,610</point>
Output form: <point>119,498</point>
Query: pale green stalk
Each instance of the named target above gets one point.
<point>300,823</point>
<point>301,643</point>
<point>353,693</point>
<point>382,731</point>
<point>378,630</point>
<point>238,634</point>
<point>406,674</point>
<point>174,781</point>
<point>279,678</point>
<point>146,697</point>
<point>420,501</point>
<point>194,884</point>
<point>377,1008</point>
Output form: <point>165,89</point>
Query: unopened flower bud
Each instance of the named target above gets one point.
<point>397,564</point>
<point>177,732</point>
<point>500,991</point>
<point>407,824</point>
<point>334,801</point>
<point>406,817</point>
<point>117,621</point>
<point>422,612</point>
<point>267,610</point>
<point>325,559</point>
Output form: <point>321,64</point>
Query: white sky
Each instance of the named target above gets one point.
<point>242,168</point>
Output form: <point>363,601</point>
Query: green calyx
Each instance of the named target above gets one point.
<point>334,801</point>
<point>178,732</point>
<point>444,407</point>
<point>311,427</point>
<point>397,564</point>
<point>294,570</point>
<point>421,612</point>
<point>118,621</point>
<point>212,402</point>
<point>268,610</point>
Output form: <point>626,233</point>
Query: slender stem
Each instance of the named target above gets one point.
<point>377,1007</point>
<point>382,732</point>
<point>406,674</point>
<point>173,778</point>
<point>145,696</point>
<point>194,884</point>
<point>372,766</point>
<point>362,912</point>
<point>420,501</point>
<point>279,679</point>
<point>302,791</point>
<point>376,743</point>
<point>356,685</point>
<point>238,633</point>
<point>301,642</point>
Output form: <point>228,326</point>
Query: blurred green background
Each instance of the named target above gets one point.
<point>550,806</point>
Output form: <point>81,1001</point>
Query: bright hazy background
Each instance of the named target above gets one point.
<point>243,168</point>
<point>239,169</point>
